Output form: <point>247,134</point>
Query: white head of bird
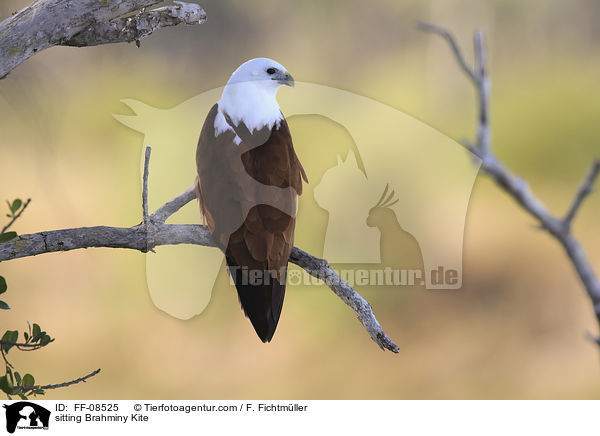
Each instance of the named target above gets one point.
<point>250,95</point>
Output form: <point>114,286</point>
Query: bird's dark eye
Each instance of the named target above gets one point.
<point>271,70</point>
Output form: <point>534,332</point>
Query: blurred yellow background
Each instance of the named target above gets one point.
<point>515,329</point>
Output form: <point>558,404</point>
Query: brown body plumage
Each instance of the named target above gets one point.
<point>247,194</point>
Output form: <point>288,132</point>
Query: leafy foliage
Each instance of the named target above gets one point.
<point>12,383</point>
<point>14,207</point>
<point>3,288</point>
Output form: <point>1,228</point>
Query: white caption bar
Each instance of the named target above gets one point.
<point>300,417</point>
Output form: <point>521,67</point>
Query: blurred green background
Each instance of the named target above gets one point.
<point>515,329</point>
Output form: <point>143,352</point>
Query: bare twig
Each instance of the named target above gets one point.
<point>157,232</point>
<point>584,190</point>
<point>172,206</point>
<point>16,217</point>
<point>48,23</point>
<point>145,186</point>
<point>483,92</point>
<point>444,33</point>
<point>320,269</point>
<point>516,187</point>
<point>59,385</point>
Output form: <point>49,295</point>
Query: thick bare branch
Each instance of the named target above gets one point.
<point>156,233</point>
<point>46,23</point>
<point>137,27</point>
<point>134,238</point>
<point>516,187</point>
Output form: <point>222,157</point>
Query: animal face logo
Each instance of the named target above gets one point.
<point>386,191</point>
<point>26,415</point>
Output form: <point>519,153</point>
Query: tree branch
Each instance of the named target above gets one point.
<point>516,187</point>
<point>584,190</point>
<point>26,345</point>
<point>47,23</point>
<point>145,186</point>
<point>59,385</point>
<point>320,269</point>
<point>155,232</point>
<point>172,206</point>
<point>444,33</point>
<point>137,27</point>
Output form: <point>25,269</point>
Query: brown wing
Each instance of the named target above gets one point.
<point>256,238</point>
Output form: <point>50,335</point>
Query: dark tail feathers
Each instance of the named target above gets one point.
<point>261,302</point>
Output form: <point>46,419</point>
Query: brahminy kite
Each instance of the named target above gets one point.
<point>249,178</point>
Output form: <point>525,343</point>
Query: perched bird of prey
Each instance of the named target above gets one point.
<point>249,178</point>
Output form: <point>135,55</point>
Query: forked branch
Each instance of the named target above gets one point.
<point>153,232</point>
<point>558,228</point>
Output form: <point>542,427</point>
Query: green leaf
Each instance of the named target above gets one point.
<point>5,385</point>
<point>28,380</point>
<point>5,237</point>
<point>40,337</point>
<point>3,286</point>
<point>3,305</point>
<point>45,340</point>
<point>16,205</point>
<point>10,336</point>
<point>36,330</point>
